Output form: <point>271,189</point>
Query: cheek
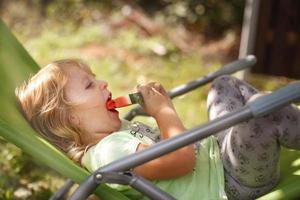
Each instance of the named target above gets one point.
<point>94,114</point>
<point>96,99</point>
<point>85,98</point>
<point>89,103</point>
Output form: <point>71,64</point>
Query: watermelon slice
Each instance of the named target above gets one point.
<point>123,101</point>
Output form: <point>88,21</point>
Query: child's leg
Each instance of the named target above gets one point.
<point>226,95</point>
<point>250,150</point>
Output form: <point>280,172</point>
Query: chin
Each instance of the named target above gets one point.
<point>117,124</point>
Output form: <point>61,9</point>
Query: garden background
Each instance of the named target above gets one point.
<point>125,43</point>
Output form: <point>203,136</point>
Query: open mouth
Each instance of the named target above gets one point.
<point>110,104</point>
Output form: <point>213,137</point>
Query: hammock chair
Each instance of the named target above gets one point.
<point>16,65</point>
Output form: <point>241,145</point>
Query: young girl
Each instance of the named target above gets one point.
<point>67,105</point>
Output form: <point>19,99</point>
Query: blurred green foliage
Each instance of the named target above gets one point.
<point>22,177</point>
<point>52,30</point>
<point>210,17</point>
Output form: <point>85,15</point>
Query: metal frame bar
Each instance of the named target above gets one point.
<point>230,68</point>
<point>249,29</point>
<point>137,182</point>
<point>238,65</point>
<point>262,106</point>
<point>61,193</point>
<point>162,148</point>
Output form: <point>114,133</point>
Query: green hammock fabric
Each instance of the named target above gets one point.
<point>16,65</point>
<point>289,186</point>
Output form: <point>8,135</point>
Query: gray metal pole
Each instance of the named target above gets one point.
<point>188,137</point>
<point>162,148</point>
<point>243,63</point>
<point>257,108</point>
<point>249,30</point>
<point>61,193</point>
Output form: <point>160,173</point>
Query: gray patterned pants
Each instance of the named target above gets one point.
<point>250,150</point>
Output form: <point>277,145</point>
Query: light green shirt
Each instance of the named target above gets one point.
<point>205,182</point>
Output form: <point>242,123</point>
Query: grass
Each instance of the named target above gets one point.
<point>124,58</point>
<point>129,61</point>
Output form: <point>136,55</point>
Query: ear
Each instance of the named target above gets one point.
<point>74,120</point>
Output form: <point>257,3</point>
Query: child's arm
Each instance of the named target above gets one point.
<point>175,164</point>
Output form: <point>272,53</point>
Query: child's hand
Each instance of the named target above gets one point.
<point>158,104</point>
<point>156,99</point>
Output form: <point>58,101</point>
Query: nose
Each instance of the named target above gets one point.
<point>102,84</point>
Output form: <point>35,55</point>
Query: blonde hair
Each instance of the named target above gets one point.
<point>43,103</point>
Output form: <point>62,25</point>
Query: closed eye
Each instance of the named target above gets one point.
<point>90,84</point>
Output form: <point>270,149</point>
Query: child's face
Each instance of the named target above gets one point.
<point>90,96</point>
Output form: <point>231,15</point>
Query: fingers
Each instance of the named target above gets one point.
<point>146,90</point>
<point>155,85</point>
<point>155,98</point>
<point>152,86</point>
<point>159,88</point>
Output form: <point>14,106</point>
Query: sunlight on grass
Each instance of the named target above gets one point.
<point>279,194</point>
<point>297,172</point>
<point>296,163</point>
<point>124,58</point>
<point>123,75</point>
